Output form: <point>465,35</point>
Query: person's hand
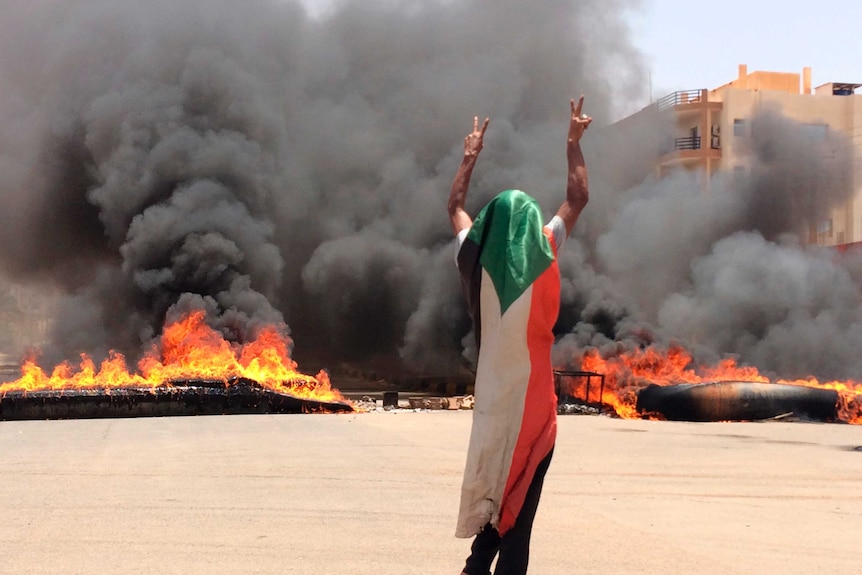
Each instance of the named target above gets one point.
<point>473,141</point>
<point>579,121</point>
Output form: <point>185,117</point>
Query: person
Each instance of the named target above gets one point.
<point>509,275</point>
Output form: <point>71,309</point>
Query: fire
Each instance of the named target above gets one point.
<point>189,350</point>
<point>626,373</point>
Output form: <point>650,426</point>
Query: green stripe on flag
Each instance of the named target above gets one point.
<point>513,248</point>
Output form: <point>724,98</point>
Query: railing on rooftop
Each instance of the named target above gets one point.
<point>680,97</point>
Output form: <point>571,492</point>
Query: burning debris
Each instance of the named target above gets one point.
<point>235,396</point>
<point>669,385</point>
<point>193,371</point>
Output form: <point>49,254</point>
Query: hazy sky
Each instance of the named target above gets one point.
<point>690,44</point>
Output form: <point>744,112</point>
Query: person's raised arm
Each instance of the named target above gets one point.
<point>577,186</point>
<point>457,196</point>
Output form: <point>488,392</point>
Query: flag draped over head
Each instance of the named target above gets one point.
<point>512,285</point>
<point>514,251</point>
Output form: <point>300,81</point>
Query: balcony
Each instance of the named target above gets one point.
<point>677,144</point>
<point>678,98</point>
<point>688,143</point>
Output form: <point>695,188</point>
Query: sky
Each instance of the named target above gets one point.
<point>691,44</point>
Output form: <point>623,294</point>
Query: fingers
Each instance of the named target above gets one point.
<point>577,111</point>
<point>476,124</point>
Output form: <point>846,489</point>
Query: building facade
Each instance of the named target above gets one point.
<point>708,131</point>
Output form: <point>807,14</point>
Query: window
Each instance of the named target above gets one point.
<point>715,140</point>
<point>739,127</point>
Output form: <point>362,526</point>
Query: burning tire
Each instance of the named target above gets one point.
<point>737,401</point>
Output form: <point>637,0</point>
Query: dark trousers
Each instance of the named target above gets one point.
<point>514,546</point>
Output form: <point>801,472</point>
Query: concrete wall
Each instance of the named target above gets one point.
<point>841,115</point>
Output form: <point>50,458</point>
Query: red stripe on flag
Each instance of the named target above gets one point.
<point>539,423</point>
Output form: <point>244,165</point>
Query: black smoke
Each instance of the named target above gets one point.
<point>273,165</point>
<point>726,269</point>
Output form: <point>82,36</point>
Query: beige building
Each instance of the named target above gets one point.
<point>710,130</point>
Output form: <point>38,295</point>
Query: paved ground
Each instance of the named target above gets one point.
<point>377,494</point>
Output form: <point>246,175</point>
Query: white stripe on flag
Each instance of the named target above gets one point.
<point>501,387</point>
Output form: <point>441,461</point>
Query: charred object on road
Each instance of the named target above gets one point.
<point>187,397</point>
<point>737,401</point>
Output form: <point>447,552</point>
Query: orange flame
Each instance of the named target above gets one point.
<point>189,350</point>
<point>626,373</point>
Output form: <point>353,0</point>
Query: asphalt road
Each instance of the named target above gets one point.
<point>377,493</point>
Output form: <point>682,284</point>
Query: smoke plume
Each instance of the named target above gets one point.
<point>727,272</point>
<point>271,166</point>
<point>274,166</point>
